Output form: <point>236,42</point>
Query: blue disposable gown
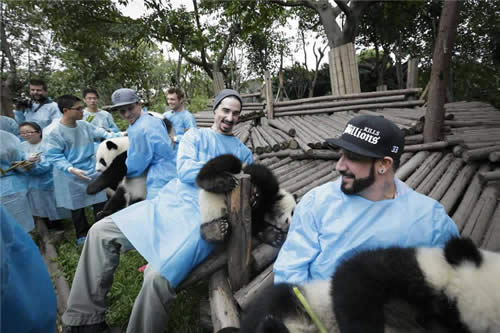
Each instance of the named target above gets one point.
<point>41,187</point>
<point>74,147</point>
<point>166,230</point>
<point>9,125</point>
<point>14,185</point>
<point>150,151</point>
<point>46,114</point>
<point>28,301</point>
<point>329,226</point>
<point>181,121</point>
<point>101,119</point>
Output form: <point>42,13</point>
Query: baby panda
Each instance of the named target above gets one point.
<point>272,208</point>
<point>110,162</point>
<point>458,287</point>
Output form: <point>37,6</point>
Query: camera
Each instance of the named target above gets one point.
<point>23,103</point>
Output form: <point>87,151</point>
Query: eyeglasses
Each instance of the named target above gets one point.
<point>28,133</point>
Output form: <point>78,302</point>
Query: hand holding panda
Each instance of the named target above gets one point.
<point>273,207</point>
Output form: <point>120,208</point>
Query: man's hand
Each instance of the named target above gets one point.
<point>79,173</point>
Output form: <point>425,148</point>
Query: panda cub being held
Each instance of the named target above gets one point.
<point>457,287</point>
<point>110,162</point>
<point>272,208</point>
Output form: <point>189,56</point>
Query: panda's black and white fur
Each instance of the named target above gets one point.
<point>458,287</point>
<point>273,206</point>
<point>110,162</point>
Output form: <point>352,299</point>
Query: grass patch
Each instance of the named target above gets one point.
<point>183,312</point>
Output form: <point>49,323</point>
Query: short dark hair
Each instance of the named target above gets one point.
<point>89,91</point>
<point>38,82</point>
<point>177,91</point>
<point>66,102</point>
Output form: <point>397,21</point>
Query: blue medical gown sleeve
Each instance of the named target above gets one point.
<point>188,163</point>
<point>140,154</point>
<point>28,301</point>
<point>302,245</point>
<point>54,153</point>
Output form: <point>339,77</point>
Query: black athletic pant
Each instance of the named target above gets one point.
<point>80,220</point>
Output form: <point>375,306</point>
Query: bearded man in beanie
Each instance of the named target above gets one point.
<point>165,231</point>
<point>366,208</point>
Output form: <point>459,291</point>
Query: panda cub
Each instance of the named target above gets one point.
<point>110,162</point>
<point>457,287</point>
<point>271,211</point>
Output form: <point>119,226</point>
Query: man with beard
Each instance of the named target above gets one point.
<point>41,109</point>
<point>367,208</point>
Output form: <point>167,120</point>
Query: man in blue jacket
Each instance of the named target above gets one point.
<point>150,148</point>
<point>366,208</point>
<point>165,231</point>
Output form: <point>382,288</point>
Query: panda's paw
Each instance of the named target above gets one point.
<point>216,230</point>
<point>273,236</point>
<point>222,183</point>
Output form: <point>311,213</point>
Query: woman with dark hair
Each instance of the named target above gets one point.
<point>40,185</point>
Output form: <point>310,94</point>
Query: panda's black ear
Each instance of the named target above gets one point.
<point>111,145</point>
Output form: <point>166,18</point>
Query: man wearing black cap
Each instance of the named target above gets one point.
<point>165,231</point>
<point>366,208</point>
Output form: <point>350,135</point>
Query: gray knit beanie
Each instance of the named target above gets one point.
<point>226,93</point>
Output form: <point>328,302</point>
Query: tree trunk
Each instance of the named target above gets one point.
<point>441,58</point>
<point>7,85</point>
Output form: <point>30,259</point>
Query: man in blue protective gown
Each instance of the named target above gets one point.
<point>165,231</point>
<point>182,120</point>
<point>150,150</point>
<point>27,301</point>
<point>366,208</point>
<point>40,109</point>
<point>69,147</point>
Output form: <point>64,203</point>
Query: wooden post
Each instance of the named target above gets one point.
<point>218,82</point>
<point>269,95</point>
<point>240,243</point>
<point>412,75</point>
<point>222,304</point>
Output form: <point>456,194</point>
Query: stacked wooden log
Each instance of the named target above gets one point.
<point>476,127</point>
<point>351,102</point>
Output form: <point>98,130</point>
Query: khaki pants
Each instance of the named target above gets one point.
<point>94,276</point>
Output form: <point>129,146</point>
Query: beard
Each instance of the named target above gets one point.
<point>358,184</point>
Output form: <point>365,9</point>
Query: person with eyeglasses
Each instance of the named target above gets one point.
<point>150,150</point>
<point>69,146</point>
<point>39,108</point>
<point>366,208</point>
<point>41,185</point>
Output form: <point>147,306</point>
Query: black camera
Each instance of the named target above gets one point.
<point>23,103</point>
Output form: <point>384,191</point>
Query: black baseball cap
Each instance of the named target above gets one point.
<point>371,136</point>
